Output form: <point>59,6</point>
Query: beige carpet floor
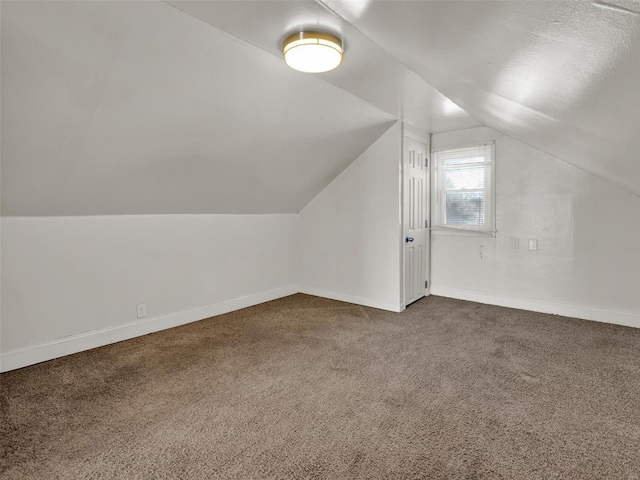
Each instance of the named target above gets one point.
<point>305,387</point>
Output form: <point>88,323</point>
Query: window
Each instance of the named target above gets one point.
<point>464,188</point>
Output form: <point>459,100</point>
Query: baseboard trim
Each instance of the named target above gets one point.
<point>85,341</point>
<point>566,310</point>
<point>367,302</point>
<point>33,354</point>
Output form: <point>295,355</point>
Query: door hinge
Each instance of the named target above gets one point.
<point>426,224</point>
<point>426,284</point>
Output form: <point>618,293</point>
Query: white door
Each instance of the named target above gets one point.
<point>415,216</point>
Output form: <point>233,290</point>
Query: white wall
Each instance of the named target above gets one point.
<point>349,233</point>
<point>587,264</point>
<point>72,283</point>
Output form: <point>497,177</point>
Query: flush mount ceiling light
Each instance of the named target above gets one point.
<point>312,52</point>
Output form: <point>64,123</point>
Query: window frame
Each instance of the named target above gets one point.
<point>440,190</point>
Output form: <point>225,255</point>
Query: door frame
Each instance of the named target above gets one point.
<point>424,137</point>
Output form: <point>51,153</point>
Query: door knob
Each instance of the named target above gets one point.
<point>409,239</point>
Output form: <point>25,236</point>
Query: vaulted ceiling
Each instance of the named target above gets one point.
<point>137,108</point>
<point>188,107</point>
<point>562,76</point>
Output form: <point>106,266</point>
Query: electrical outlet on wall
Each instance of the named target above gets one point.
<point>533,244</point>
<point>142,310</point>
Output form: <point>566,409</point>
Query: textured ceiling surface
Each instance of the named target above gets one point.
<point>188,107</point>
<point>561,76</point>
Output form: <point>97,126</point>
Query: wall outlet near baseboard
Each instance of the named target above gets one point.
<point>142,310</point>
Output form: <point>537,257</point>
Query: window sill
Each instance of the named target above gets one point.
<point>462,233</point>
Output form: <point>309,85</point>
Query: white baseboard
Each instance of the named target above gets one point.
<point>575,311</point>
<point>367,302</point>
<point>85,341</point>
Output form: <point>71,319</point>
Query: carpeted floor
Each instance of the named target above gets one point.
<point>305,387</point>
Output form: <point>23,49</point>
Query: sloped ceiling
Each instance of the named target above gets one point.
<point>135,107</point>
<point>141,108</point>
<point>561,76</point>
<point>188,107</point>
<point>368,71</point>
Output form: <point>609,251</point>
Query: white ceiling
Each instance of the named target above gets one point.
<point>188,107</point>
<point>135,107</point>
<point>138,107</point>
<point>562,76</point>
<point>368,71</point>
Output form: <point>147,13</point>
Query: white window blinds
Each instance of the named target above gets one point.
<point>464,186</point>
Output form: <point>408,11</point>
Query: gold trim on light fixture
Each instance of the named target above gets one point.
<point>312,52</point>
